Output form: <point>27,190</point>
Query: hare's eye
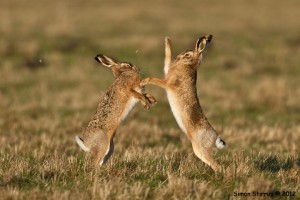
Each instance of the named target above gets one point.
<point>187,55</point>
<point>126,65</point>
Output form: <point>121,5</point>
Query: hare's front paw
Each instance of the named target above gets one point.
<point>150,98</point>
<point>146,105</point>
<point>144,82</point>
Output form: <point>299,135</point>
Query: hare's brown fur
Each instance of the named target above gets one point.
<point>180,84</point>
<point>117,102</point>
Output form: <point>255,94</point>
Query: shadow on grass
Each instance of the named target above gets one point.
<point>298,161</point>
<point>273,164</point>
<point>20,182</point>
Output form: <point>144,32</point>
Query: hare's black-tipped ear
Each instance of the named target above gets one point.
<point>202,43</point>
<point>106,61</point>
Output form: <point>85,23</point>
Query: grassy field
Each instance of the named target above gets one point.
<point>50,85</point>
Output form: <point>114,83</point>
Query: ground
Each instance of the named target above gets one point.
<point>50,85</point>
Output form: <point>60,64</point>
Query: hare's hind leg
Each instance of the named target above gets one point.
<point>100,148</point>
<point>205,154</point>
<point>110,151</point>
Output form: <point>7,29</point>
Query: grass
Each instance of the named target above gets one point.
<point>50,85</point>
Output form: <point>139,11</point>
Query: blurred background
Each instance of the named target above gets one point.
<point>250,72</point>
<point>50,84</point>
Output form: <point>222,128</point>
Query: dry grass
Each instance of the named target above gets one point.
<point>50,86</point>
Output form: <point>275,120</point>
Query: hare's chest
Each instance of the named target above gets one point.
<point>129,106</point>
<point>176,110</point>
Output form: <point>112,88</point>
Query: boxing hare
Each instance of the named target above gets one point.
<point>180,85</point>
<point>116,104</point>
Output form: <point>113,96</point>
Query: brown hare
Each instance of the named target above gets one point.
<point>180,85</point>
<point>116,104</point>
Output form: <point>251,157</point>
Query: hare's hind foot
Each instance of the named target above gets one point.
<point>109,152</point>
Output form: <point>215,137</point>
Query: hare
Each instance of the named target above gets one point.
<point>180,85</point>
<point>116,104</point>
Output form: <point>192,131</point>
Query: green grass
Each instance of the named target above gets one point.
<point>50,85</point>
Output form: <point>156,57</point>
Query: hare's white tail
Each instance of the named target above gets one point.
<point>220,144</point>
<point>81,144</point>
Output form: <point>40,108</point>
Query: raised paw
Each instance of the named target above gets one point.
<point>151,99</point>
<point>144,82</point>
<point>146,105</point>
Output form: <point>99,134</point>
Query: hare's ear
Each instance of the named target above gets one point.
<point>106,61</point>
<point>168,54</point>
<point>202,43</point>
